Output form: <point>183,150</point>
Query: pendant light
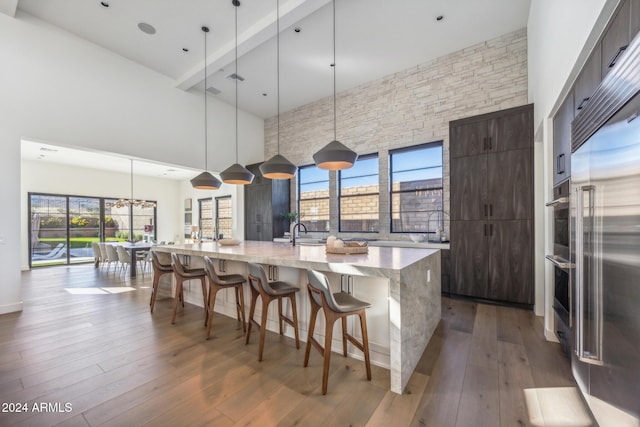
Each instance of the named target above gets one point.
<point>278,167</point>
<point>335,155</point>
<point>205,181</point>
<point>236,173</point>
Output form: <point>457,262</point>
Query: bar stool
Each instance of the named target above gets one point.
<point>181,274</point>
<point>270,291</point>
<point>335,306</point>
<point>158,270</point>
<point>224,281</point>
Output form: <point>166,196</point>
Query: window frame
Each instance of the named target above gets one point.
<point>328,198</point>
<point>339,195</point>
<point>217,221</point>
<point>200,217</point>
<point>438,143</point>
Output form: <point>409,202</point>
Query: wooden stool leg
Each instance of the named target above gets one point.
<point>294,312</point>
<point>154,290</point>
<point>328,336</point>
<point>252,310</point>
<point>213,292</point>
<point>205,300</point>
<point>175,302</point>
<point>365,342</point>
<point>240,305</point>
<point>344,336</point>
<point>280,314</point>
<point>312,326</point>
<point>263,327</point>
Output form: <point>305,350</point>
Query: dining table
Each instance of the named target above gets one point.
<point>133,248</point>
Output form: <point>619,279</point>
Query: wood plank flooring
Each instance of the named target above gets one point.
<point>86,338</point>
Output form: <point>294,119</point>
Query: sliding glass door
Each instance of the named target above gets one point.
<point>48,231</point>
<point>62,227</point>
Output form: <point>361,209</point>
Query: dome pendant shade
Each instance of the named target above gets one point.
<point>335,156</point>
<point>237,174</point>
<point>278,167</point>
<point>206,181</point>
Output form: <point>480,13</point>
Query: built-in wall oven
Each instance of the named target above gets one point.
<point>561,265</point>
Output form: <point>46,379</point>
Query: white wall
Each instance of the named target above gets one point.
<point>57,87</point>
<point>561,35</point>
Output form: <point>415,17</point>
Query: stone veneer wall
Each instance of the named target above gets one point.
<point>407,108</point>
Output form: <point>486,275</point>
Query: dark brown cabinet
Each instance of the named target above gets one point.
<point>616,38</point>
<point>492,206</point>
<point>562,140</point>
<point>265,201</point>
<point>588,80</point>
<point>635,19</point>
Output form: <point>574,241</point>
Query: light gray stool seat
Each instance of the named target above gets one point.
<point>345,303</point>
<point>335,306</point>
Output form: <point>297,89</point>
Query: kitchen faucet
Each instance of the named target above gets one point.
<point>293,231</point>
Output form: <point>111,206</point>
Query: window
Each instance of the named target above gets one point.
<point>313,197</point>
<point>205,215</point>
<point>416,188</point>
<point>359,196</point>
<point>224,216</point>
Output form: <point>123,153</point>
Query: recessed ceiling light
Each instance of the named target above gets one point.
<point>264,94</point>
<point>104,4</point>
<point>439,18</point>
<point>50,150</point>
<point>297,29</point>
<point>171,170</point>
<point>184,49</point>
<point>147,28</point>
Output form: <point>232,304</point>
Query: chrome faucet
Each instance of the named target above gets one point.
<point>293,231</point>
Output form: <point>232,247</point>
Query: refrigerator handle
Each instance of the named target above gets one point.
<point>579,263</point>
<point>589,286</point>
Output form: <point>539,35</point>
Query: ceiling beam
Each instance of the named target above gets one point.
<point>259,33</point>
<point>8,7</point>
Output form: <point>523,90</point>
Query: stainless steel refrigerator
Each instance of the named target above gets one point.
<point>605,247</point>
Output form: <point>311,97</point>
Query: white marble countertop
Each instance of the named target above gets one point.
<point>384,260</point>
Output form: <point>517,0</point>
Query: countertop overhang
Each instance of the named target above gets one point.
<point>379,261</point>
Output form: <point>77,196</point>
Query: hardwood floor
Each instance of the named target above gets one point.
<point>86,338</point>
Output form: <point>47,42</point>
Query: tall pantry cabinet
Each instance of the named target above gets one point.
<point>492,206</point>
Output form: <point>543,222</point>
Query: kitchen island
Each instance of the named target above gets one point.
<point>402,284</point>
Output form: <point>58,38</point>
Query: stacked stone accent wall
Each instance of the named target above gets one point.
<point>407,108</point>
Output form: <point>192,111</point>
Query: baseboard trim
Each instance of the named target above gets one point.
<point>11,308</point>
<point>550,335</point>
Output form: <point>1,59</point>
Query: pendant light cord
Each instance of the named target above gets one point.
<point>335,137</point>
<point>131,160</point>
<point>206,156</point>
<point>237,5</point>
<point>278,66</point>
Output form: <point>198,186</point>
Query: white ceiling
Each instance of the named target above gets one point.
<point>374,38</point>
<point>81,158</point>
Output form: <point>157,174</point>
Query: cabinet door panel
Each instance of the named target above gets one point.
<point>511,261</point>
<point>469,252</point>
<point>468,187</point>
<point>510,184</point>
<point>588,80</point>
<point>562,140</point>
<point>635,19</point>
<point>512,131</point>
<point>467,139</point>
<point>615,39</point>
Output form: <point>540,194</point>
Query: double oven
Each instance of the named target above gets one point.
<point>561,265</point>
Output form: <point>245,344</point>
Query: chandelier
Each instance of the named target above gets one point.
<point>121,203</point>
